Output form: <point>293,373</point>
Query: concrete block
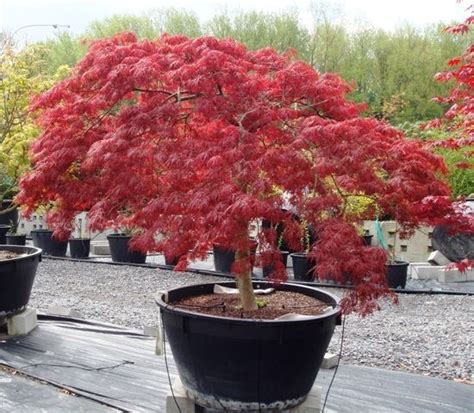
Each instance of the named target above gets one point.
<point>23,323</point>
<point>63,311</point>
<point>426,272</point>
<point>437,258</point>
<point>185,404</point>
<point>100,248</point>
<point>470,274</point>
<point>452,276</point>
<point>330,361</point>
<point>150,331</point>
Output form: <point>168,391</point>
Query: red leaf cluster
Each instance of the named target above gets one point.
<point>195,138</point>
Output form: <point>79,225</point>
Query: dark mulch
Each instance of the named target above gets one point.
<point>277,304</point>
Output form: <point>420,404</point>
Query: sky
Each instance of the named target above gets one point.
<point>386,14</point>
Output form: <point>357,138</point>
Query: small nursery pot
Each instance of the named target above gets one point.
<point>120,250</point>
<point>268,270</point>
<point>303,267</point>
<point>367,239</point>
<point>397,274</point>
<point>43,238</point>
<point>3,232</point>
<point>79,247</point>
<point>224,258</point>
<point>15,239</point>
<point>9,217</point>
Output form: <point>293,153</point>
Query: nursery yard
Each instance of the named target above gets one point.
<point>431,335</point>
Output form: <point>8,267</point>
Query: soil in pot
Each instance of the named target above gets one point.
<point>244,364</point>
<point>18,266</point>
<point>3,232</point>
<point>303,267</point>
<point>272,305</point>
<point>120,251</point>
<point>43,238</point>
<point>397,274</point>
<point>79,247</point>
<point>8,255</point>
<point>15,239</point>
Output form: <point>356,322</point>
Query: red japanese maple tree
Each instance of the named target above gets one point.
<point>197,138</point>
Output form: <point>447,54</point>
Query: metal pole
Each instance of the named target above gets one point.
<point>56,26</point>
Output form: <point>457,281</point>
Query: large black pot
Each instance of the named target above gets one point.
<point>11,216</point>
<point>242,364</point>
<point>16,278</point>
<point>15,239</point>
<point>43,238</point>
<point>120,251</point>
<point>3,232</point>
<point>79,247</point>
<point>303,267</point>
<point>397,274</point>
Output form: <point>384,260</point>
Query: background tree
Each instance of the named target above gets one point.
<point>197,138</point>
<point>19,79</point>
<point>453,134</point>
<point>379,63</point>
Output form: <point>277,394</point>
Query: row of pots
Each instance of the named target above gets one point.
<point>80,247</point>
<point>305,269</point>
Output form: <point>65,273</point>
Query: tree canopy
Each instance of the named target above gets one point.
<point>195,138</point>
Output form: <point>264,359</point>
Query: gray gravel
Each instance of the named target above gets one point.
<point>425,334</point>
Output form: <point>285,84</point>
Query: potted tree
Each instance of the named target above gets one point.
<point>201,137</point>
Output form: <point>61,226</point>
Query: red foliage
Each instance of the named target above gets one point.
<point>195,138</point>
<point>459,117</point>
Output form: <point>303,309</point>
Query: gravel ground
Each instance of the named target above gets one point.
<point>430,335</point>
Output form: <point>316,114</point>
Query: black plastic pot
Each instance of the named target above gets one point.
<point>3,232</point>
<point>120,251</point>
<point>16,278</point>
<point>242,364</point>
<point>171,261</point>
<point>224,258</point>
<point>15,239</point>
<point>9,217</point>
<point>397,274</point>
<point>79,247</point>
<point>303,268</point>
<point>268,270</point>
<point>367,239</point>
<point>43,238</point>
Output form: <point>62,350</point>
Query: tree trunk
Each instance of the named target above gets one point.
<point>244,282</point>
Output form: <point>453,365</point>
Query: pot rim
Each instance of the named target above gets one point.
<point>21,248</point>
<point>335,311</point>
<point>118,235</point>
<point>397,263</point>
